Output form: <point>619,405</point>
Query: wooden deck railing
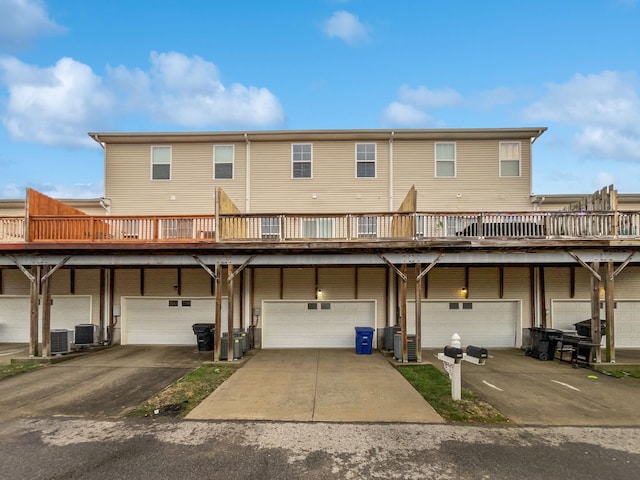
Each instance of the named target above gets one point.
<point>122,228</point>
<point>418,226</point>
<point>11,229</point>
<point>321,227</point>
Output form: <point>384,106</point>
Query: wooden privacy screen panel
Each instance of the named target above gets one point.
<point>76,226</point>
<point>404,226</point>
<point>40,204</point>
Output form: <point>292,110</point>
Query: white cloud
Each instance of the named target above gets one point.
<point>346,26</point>
<point>79,190</point>
<point>58,105</point>
<point>605,178</point>
<point>424,98</point>
<point>55,105</point>
<point>405,115</point>
<point>22,21</point>
<point>410,110</point>
<point>187,91</point>
<point>11,191</point>
<point>603,107</point>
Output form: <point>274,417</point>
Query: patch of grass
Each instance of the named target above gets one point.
<point>17,368</point>
<point>621,373</point>
<point>180,398</point>
<point>435,387</point>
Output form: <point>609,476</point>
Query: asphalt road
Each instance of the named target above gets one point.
<point>50,448</point>
<point>70,425</point>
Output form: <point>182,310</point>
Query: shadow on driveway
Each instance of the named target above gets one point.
<point>107,383</point>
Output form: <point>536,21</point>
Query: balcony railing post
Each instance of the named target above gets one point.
<point>349,226</point>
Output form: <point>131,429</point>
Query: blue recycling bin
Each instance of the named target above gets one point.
<point>364,340</point>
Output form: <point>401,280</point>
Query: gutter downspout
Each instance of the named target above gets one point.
<point>247,204</point>
<point>391,172</point>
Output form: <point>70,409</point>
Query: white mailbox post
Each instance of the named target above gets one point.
<point>452,358</point>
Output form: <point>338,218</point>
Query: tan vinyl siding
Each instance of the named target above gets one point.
<point>371,286</point>
<point>88,283</point>
<point>517,281</point>
<point>160,282</point>
<point>477,178</point>
<point>445,283</point>
<point>196,282</point>
<point>126,284</point>
<point>11,211</point>
<point>334,184</point>
<point>14,282</point>
<point>299,284</point>
<point>334,180</point>
<point>191,189</point>
<point>266,283</point>
<point>484,283</point>
<point>627,284</point>
<point>337,283</point>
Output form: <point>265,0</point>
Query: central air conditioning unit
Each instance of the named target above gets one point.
<point>86,335</point>
<point>60,341</point>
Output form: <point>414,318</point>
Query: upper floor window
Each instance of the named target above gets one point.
<point>301,158</point>
<point>365,160</point>
<point>367,227</point>
<point>510,159</point>
<point>270,227</point>
<point>445,154</point>
<point>160,163</point>
<point>223,161</point>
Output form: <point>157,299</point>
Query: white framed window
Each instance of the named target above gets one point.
<point>270,227</point>
<point>318,228</point>
<point>223,161</point>
<point>176,228</point>
<point>510,155</point>
<point>367,227</point>
<point>365,160</point>
<point>301,160</point>
<point>161,163</point>
<point>445,154</point>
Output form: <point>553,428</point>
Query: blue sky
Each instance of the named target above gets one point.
<point>68,67</point>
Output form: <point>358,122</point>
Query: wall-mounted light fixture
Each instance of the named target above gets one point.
<point>318,293</point>
<point>465,292</point>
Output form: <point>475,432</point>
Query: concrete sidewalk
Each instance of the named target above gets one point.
<point>316,385</point>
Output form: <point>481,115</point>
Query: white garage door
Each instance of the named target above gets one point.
<point>627,318</point>
<point>166,321</point>
<point>66,312</point>
<point>482,323</point>
<point>312,324</point>
<point>14,319</point>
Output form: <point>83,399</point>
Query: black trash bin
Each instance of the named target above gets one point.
<point>544,342</point>
<point>204,336</point>
<point>584,327</point>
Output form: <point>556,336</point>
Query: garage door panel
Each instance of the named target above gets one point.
<point>14,319</point>
<point>627,318</point>
<point>167,321</point>
<point>66,312</point>
<point>295,324</point>
<point>486,323</point>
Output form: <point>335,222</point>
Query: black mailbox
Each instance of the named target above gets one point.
<point>477,352</point>
<point>453,352</point>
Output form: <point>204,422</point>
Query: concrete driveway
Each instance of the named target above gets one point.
<point>12,350</point>
<point>534,392</point>
<point>106,383</point>
<point>319,385</point>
